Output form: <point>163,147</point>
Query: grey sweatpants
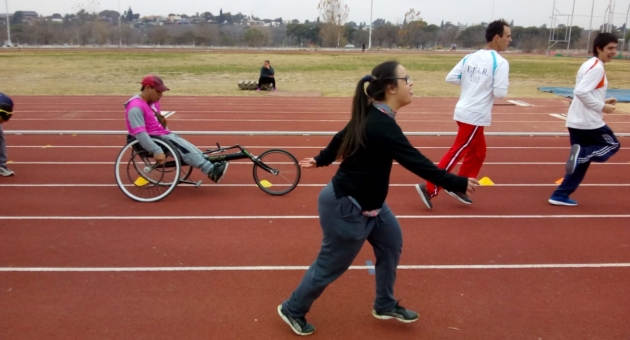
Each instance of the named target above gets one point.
<point>3,149</point>
<point>190,154</point>
<point>345,230</point>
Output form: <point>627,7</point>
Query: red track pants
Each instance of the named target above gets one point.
<point>470,144</point>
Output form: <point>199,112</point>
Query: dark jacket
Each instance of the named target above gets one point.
<point>266,72</point>
<point>365,174</point>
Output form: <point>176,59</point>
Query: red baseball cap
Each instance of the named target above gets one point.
<point>155,82</point>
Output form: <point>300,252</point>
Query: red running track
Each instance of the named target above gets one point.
<point>59,219</point>
<point>430,114</point>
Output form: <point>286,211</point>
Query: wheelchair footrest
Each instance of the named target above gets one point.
<point>196,184</point>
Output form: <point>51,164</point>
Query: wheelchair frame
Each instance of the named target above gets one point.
<point>182,175</point>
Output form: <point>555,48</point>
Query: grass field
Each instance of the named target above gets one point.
<point>105,72</point>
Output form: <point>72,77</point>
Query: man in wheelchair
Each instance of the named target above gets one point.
<point>144,120</point>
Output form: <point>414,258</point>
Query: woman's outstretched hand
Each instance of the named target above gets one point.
<point>472,185</point>
<point>308,163</point>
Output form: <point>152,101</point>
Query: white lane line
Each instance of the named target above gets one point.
<point>334,163</point>
<point>203,147</point>
<point>216,120</point>
<point>261,112</point>
<point>166,114</point>
<point>282,133</point>
<point>302,268</point>
<point>297,217</point>
<point>519,102</point>
<point>95,185</point>
<point>559,115</point>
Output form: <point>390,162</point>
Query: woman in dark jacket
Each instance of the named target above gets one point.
<point>267,76</point>
<point>352,206</point>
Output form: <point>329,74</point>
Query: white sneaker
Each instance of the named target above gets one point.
<point>6,172</point>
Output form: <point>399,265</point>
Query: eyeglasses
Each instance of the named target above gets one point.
<point>406,78</point>
<point>7,112</point>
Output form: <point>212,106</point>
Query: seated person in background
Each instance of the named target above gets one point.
<point>144,119</point>
<point>266,76</point>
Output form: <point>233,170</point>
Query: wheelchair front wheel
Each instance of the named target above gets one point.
<point>277,172</point>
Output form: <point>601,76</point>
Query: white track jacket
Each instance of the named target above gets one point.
<point>483,76</point>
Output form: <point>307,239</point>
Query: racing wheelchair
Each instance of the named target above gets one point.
<point>143,179</point>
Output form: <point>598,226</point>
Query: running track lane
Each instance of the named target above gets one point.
<point>251,201</point>
<point>73,106</point>
<point>292,122</point>
<point>504,310</point>
<point>92,154</point>
<point>56,103</point>
<point>442,126</point>
<point>317,142</point>
<point>454,304</point>
<point>241,174</point>
<point>264,242</point>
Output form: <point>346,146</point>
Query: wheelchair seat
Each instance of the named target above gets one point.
<point>140,150</point>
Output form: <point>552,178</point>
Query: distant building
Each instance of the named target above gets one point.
<point>29,16</point>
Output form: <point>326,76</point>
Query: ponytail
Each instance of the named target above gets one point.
<point>382,77</point>
<point>355,133</point>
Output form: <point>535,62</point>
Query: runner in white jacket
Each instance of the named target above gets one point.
<point>591,139</point>
<point>483,76</point>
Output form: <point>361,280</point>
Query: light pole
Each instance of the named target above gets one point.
<point>611,15</point>
<point>570,28</point>
<point>625,29</point>
<point>6,3</point>
<point>371,10</point>
<point>605,24</point>
<point>119,28</point>
<point>590,30</point>
<point>551,30</point>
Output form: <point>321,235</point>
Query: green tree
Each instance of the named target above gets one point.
<point>254,37</point>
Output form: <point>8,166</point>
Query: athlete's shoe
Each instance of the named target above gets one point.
<point>399,313</point>
<point>298,325</point>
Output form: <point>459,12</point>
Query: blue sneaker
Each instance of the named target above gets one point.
<point>558,200</point>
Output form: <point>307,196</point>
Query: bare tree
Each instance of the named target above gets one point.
<point>100,33</point>
<point>45,32</point>
<point>158,35</point>
<point>449,35</point>
<point>334,15</point>
<point>207,34</point>
<point>409,33</point>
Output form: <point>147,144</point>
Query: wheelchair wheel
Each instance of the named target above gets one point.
<point>279,173</point>
<point>184,172</point>
<point>141,178</point>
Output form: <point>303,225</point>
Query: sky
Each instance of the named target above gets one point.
<point>523,12</point>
